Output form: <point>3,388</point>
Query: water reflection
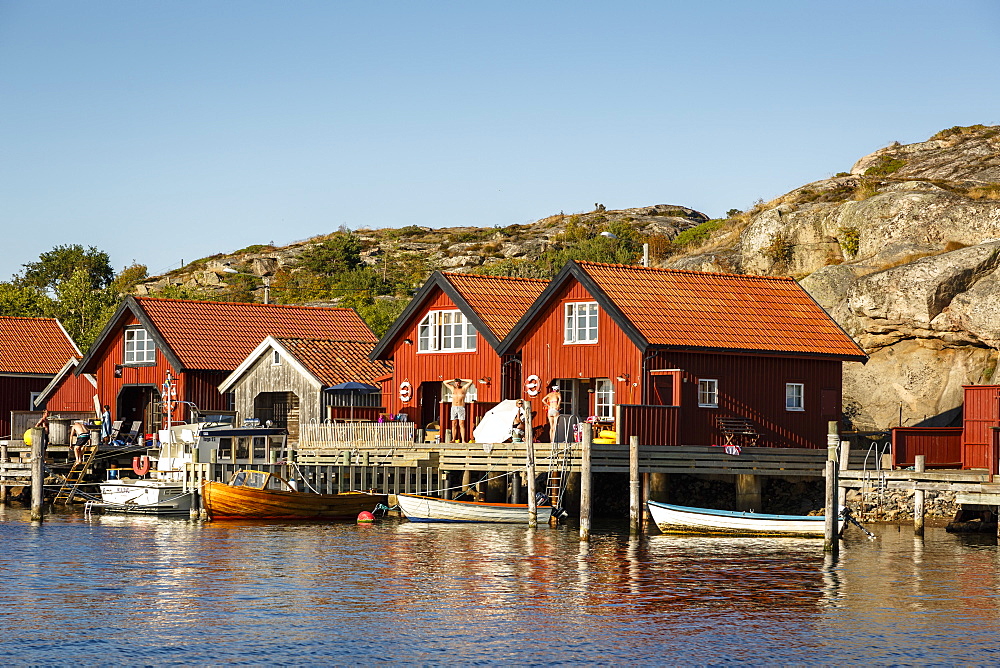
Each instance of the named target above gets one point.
<point>122,589</point>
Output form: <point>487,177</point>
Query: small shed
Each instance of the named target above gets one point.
<point>287,381</point>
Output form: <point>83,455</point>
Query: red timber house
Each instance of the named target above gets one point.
<point>683,353</point>
<point>198,343</point>
<point>32,352</point>
<point>451,329</point>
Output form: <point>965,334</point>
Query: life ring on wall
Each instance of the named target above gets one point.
<point>405,392</point>
<point>141,465</point>
<point>532,384</point>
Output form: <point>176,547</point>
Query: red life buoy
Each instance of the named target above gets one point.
<point>141,465</point>
<point>405,392</point>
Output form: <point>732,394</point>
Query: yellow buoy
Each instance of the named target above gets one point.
<point>27,437</point>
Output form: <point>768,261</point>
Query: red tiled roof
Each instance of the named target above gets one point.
<point>220,335</point>
<point>499,301</point>
<point>693,308</point>
<point>34,345</point>
<point>334,362</point>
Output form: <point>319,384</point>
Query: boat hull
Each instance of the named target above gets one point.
<point>223,501</point>
<point>418,508</point>
<point>147,497</point>
<point>686,520</point>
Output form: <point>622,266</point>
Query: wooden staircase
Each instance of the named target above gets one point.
<point>75,476</point>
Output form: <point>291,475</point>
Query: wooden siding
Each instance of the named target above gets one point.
<point>416,368</point>
<point>75,393</point>
<point>941,446</point>
<point>981,414</point>
<point>264,377</point>
<point>544,353</point>
<point>654,425</point>
<point>753,387</point>
<point>15,395</point>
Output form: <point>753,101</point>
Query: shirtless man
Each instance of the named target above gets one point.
<point>79,435</point>
<point>458,392</point>
<point>551,403</point>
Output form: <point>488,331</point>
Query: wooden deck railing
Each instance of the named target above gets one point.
<point>351,435</point>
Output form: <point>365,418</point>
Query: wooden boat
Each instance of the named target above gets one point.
<point>683,519</point>
<point>418,508</point>
<point>262,495</point>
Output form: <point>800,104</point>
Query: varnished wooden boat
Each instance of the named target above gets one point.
<point>418,508</point>
<point>253,495</point>
<point>684,519</point>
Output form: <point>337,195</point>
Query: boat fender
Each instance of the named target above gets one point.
<point>141,465</point>
<point>365,517</point>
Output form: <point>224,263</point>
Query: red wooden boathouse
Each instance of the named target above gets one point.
<point>678,350</point>
<point>451,329</point>
<point>199,343</point>
<point>68,392</point>
<point>32,352</point>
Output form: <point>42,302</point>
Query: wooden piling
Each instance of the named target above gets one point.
<point>4,458</point>
<point>529,445</point>
<point>918,498</point>
<point>634,511</point>
<point>586,480</point>
<point>748,492</point>
<point>515,488</point>
<point>37,475</point>
<point>845,460</point>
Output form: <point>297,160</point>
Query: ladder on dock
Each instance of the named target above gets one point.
<point>75,476</point>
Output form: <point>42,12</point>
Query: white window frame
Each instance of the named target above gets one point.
<point>604,399</point>
<point>708,392</point>
<point>580,322</point>
<point>795,397</point>
<point>141,348</point>
<point>471,394</point>
<point>446,332</point>
<point>275,358</point>
<point>31,402</point>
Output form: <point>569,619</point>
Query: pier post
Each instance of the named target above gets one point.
<point>4,458</point>
<point>831,537</point>
<point>919,464</point>
<point>515,488</point>
<point>634,511</point>
<point>647,519</point>
<point>37,475</point>
<point>586,480</point>
<point>529,444</point>
<point>748,492</point>
<point>845,457</point>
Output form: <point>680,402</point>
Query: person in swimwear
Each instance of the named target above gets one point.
<point>551,402</point>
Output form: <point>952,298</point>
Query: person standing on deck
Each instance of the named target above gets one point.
<point>552,401</point>
<point>458,391</point>
<point>106,424</point>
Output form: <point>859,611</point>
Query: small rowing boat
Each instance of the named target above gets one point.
<point>263,495</point>
<point>418,508</point>
<point>683,519</point>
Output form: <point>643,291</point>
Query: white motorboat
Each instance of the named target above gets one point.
<point>684,519</point>
<point>418,508</point>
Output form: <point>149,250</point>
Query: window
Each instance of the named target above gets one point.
<point>31,403</point>
<point>446,331</point>
<point>581,322</point>
<point>139,347</point>
<point>708,393</point>
<point>275,358</point>
<point>604,404</point>
<point>472,394</point>
<point>794,397</point>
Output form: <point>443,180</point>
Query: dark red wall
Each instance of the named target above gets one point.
<point>753,386</point>
<point>15,395</point>
<point>980,414</point>
<point>75,393</point>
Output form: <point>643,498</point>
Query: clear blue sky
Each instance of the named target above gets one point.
<point>161,131</point>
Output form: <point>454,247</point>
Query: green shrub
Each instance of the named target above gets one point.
<point>697,234</point>
<point>780,252</point>
<point>255,248</point>
<point>850,240</point>
<point>885,166</point>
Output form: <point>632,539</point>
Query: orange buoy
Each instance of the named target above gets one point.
<point>365,517</point>
<point>141,465</point>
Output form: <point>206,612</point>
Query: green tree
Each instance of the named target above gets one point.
<point>339,253</point>
<point>62,262</point>
<point>82,310</point>
<point>23,301</point>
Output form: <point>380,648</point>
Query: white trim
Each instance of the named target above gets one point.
<point>801,397</point>
<point>62,373</point>
<point>270,343</point>
<point>715,391</point>
<point>571,326</point>
<point>433,321</point>
<point>68,338</point>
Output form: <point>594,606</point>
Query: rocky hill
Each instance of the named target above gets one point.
<point>904,251</point>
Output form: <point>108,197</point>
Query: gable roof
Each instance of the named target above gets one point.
<point>38,346</point>
<point>493,304</point>
<point>218,336</point>
<point>327,362</point>
<point>705,311</point>
<point>57,380</point>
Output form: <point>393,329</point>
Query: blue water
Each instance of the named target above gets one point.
<point>144,591</point>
